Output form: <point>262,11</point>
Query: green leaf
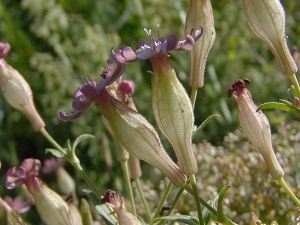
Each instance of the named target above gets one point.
<point>204,123</point>
<point>179,218</point>
<point>284,105</point>
<point>55,152</point>
<point>220,215</point>
<point>206,214</point>
<point>80,139</point>
<point>102,209</point>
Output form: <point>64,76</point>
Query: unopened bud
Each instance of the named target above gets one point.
<point>86,214</point>
<point>256,126</point>
<point>200,14</point>
<point>173,111</point>
<point>266,18</point>
<point>17,92</point>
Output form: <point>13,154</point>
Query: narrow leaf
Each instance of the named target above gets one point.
<point>204,123</point>
<point>55,152</point>
<point>179,218</point>
<point>80,139</point>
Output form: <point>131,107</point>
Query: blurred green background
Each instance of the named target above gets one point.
<point>56,43</point>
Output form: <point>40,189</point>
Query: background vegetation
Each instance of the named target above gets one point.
<point>56,43</point>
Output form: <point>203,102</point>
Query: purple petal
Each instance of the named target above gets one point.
<point>89,90</point>
<point>80,106</point>
<point>172,42</point>
<point>146,54</point>
<point>126,55</point>
<point>30,167</point>
<point>14,179</point>
<point>63,116</point>
<point>142,43</point>
<point>52,164</point>
<point>185,45</point>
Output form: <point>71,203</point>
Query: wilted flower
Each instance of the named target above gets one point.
<point>16,90</point>
<point>256,126</point>
<point>160,46</point>
<point>266,19</point>
<point>124,217</point>
<point>133,131</point>
<point>50,206</point>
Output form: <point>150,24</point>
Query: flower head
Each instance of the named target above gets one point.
<point>159,46</point>
<point>84,96</point>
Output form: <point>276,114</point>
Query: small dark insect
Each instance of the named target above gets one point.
<point>163,209</point>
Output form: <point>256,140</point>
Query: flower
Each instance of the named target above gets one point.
<point>16,90</point>
<point>160,46</point>
<point>127,125</point>
<point>124,217</point>
<point>256,126</point>
<point>50,206</point>
<point>18,205</point>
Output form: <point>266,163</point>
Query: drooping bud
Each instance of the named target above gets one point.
<point>17,92</point>
<point>200,14</point>
<point>173,112</point>
<point>256,126</point>
<point>266,19</point>
<point>138,136</point>
<point>124,217</point>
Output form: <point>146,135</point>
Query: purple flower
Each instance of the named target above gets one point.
<point>26,174</point>
<point>18,205</point>
<point>52,165</point>
<point>160,46</point>
<point>86,94</point>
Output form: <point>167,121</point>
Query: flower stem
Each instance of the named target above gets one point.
<point>74,161</point>
<point>294,81</point>
<point>163,199</point>
<point>139,188</point>
<point>288,191</point>
<point>194,96</point>
<point>196,196</point>
<point>128,185</point>
<point>52,141</point>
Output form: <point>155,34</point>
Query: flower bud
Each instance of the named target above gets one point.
<point>173,112</point>
<point>266,18</point>
<point>124,217</point>
<point>256,126</point>
<point>85,212</point>
<point>200,14</point>
<point>17,92</point>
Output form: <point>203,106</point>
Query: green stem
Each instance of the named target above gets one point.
<point>196,196</point>
<point>294,81</point>
<point>139,188</point>
<point>176,200</point>
<point>52,141</point>
<point>74,161</point>
<point>128,185</point>
<point>194,96</point>
<point>204,203</point>
<point>162,201</point>
<point>288,191</point>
